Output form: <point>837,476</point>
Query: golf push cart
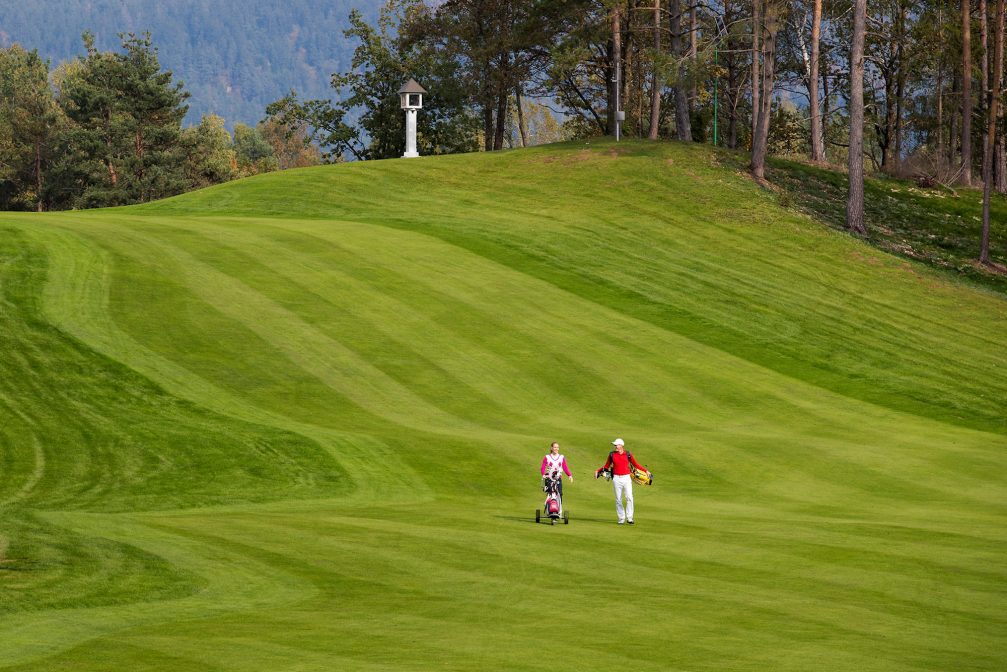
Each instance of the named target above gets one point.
<point>553,507</point>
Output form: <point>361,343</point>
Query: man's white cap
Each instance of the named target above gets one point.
<point>618,442</point>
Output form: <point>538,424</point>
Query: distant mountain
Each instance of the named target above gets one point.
<point>234,56</point>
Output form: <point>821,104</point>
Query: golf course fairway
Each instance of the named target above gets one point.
<point>294,423</point>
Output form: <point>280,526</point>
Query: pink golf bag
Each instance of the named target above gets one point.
<point>553,507</point>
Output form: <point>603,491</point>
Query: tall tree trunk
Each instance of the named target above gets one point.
<point>1000,160</point>
<point>953,137</point>
<point>940,81</point>
<point>855,197</point>
<point>760,143</point>
<point>486,97</point>
<point>694,52</point>
<point>899,100</point>
<point>38,176</point>
<point>985,64</point>
<point>966,92</point>
<point>616,83</point>
<point>817,140</point>
<point>900,89</point>
<point>628,67</point>
<point>771,23</point>
<point>999,155</point>
<point>888,135</point>
<point>733,87</point>
<point>999,149</point>
<point>683,124</point>
<point>655,81</point>
<point>891,72</point>
<point>826,100</point>
<point>501,120</point>
<point>992,118</point>
<point>522,128</point>
<point>488,126</point>
<point>756,55</point>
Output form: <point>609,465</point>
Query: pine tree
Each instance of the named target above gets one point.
<point>30,124</point>
<point>128,114</point>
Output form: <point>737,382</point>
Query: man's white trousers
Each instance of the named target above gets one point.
<point>623,485</point>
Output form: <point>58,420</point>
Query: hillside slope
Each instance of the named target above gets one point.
<point>294,422</point>
<point>939,227</point>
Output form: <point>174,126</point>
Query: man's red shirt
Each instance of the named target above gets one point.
<point>620,463</point>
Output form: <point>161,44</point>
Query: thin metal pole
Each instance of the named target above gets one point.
<point>716,96</point>
<point>618,103</point>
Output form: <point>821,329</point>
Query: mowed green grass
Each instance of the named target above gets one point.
<point>294,423</point>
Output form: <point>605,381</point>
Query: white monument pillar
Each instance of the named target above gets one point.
<point>411,95</point>
<point>410,134</point>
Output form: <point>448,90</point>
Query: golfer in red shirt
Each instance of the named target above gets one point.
<point>619,462</point>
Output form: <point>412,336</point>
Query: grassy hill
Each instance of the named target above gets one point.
<point>940,227</point>
<point>294,423</point>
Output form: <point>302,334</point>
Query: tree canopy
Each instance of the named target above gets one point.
<point>106,129</point>
<point>234,56</point>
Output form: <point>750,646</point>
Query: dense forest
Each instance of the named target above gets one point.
<point>234,57</point>
<point>106,129</point>
<point>896,86</point>
<point>909,88</point>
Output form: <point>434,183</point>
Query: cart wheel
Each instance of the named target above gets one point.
<point>538,515</point>
<point>552,521</point>
<point>566,518</point>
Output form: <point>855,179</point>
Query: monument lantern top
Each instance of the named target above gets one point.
<point>411,94</point>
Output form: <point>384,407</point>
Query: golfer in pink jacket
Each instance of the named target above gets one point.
<point>554,462</point>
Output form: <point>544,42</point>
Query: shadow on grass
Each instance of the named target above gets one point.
<point>938,227</point>
<point>545,521</point>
